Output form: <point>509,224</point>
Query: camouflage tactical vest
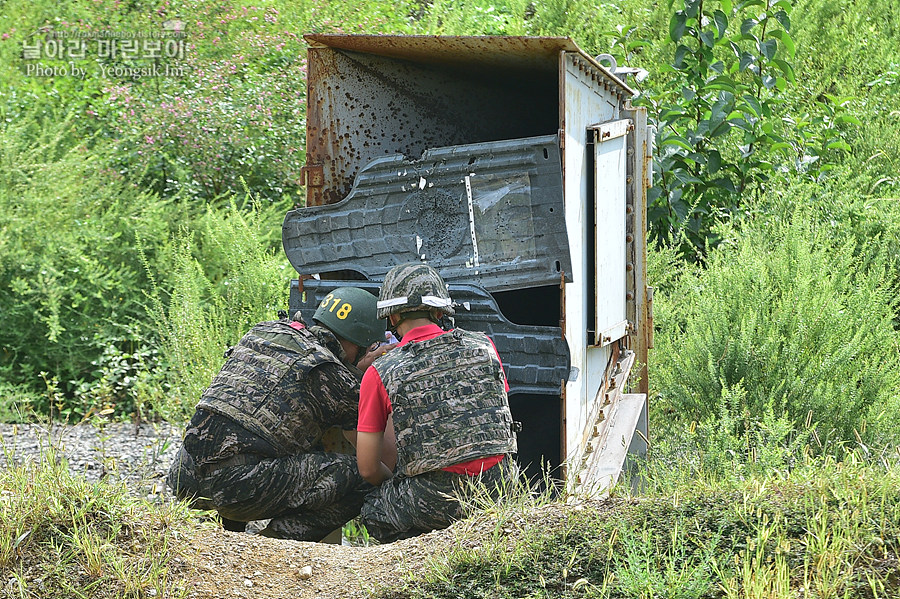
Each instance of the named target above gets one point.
<point>262,385</point>
<point>449,401</point>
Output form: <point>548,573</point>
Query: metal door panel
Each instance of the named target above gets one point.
<point>610,148</point>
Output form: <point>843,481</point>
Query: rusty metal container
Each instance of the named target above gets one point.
<point>518,168</point>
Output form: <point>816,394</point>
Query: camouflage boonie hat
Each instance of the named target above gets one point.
<point>411,287</point>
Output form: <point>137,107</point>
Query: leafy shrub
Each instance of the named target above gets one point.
<point>71,284</point>
<point>849,48</point>
<point>230,107</point>
<point>128,381</point>
<point>792,315</point>
<point>202,307</point>
<point>229,123</point>
<point>720,112</point>
<point>734,441</point>
<point>16,402</point>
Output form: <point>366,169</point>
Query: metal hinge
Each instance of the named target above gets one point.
<point>312,175</point>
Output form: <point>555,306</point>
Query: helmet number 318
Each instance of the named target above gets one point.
<point>344,309</point>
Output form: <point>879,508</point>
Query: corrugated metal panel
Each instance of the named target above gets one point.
<point>489,213</point>
<point>536,358</point>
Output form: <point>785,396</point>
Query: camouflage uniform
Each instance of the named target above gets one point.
<point>449,407</point>
<point>253,448</point>
<point>404,507</point>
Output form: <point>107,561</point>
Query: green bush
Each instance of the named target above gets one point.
<point>793,316</point>
<point>226,277</point>
<point>229,107</point>
<point>235,118</point>
<point>851,48</point>
<point>725,108</point>
<point>71,284</point>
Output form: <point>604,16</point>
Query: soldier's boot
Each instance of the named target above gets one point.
<point>233,525</point>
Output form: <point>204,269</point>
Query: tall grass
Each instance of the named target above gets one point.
<point>61,536</point>
<point>849,49</point>
<point>70,281</point>
<point>826,529</point>
<point>207,306</point>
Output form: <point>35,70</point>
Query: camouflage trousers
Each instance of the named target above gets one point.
<point>404,507</point>
<point>306,496</point>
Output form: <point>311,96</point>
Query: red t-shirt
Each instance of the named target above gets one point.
<point>375,405</point>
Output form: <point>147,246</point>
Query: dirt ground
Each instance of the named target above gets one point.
<point>218,564</point>
<point>225,565</point>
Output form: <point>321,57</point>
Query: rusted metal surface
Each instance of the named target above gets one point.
<point>488,54</point>
<point>312,175</point>
<point>607,459</point>
<point>600,401</point>
<point>370,96</point>
<point>640,309</point>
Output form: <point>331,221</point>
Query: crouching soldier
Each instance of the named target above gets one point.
<point>443,394</point>
<point>253,450</point>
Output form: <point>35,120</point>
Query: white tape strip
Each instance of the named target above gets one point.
<point>472,220</point>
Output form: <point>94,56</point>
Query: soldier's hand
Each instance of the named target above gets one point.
<point>373,354</point>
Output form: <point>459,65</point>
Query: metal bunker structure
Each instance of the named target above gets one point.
<point>517,167</point>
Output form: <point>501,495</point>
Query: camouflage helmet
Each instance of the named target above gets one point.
<point>349,312</point>
<point>412,287</point>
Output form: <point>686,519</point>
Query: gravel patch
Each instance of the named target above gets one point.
<point>138,455</point>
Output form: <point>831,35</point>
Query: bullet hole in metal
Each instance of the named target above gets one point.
<point>439,222</point>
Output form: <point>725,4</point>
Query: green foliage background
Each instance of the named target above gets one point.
<point>139,217</point>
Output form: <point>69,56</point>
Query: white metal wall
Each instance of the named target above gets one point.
<point>586,101</point>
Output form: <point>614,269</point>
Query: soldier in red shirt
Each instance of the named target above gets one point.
<point>433,412</point>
